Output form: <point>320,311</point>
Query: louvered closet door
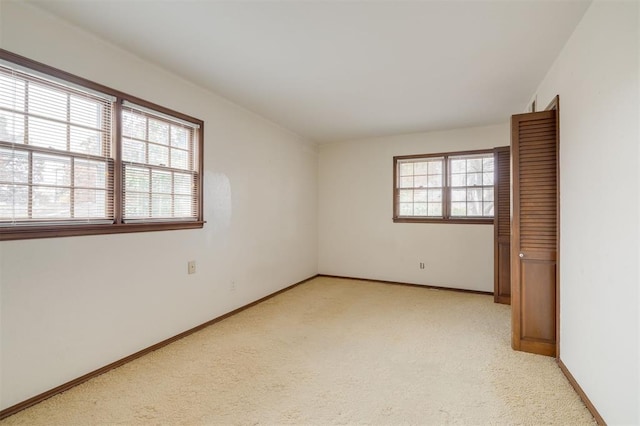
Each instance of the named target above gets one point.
<point>534,233</point>
<point>502,226</point>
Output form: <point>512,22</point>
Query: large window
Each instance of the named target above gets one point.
<point>450,187</point>
<point>79,158</point>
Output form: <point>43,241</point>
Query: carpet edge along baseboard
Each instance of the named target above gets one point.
<point>583,396</point>
<point>9,411</point>
<point>433,287</point>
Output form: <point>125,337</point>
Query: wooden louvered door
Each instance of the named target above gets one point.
<point>534,143</point>
<point>502,226</point>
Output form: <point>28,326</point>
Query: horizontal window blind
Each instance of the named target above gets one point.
<point>160,166</point>
<point>55,151</point>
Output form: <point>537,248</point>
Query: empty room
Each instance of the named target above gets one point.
<point>319,212</point>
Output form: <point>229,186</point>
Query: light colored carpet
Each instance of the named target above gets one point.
<point>333,351</point>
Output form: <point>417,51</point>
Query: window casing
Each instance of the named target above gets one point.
<point>455,187</point>
<point>78,158</point>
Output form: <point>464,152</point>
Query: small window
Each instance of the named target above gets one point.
<point>78,158</point>
<point>451,187</point>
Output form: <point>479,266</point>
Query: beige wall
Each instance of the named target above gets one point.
<point>71,305</point>
<point>357,237</point>
<point>596,76</point>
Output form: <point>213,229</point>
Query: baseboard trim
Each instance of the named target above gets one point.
<point>580,392</point>
<point>433,287</point>
<point>9,411</point>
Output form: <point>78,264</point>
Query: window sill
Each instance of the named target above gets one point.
<point>470,221</point>
<point>32,232</point>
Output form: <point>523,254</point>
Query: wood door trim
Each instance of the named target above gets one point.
<point>555,105</point>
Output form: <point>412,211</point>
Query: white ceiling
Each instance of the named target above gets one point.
<point>336,70</point>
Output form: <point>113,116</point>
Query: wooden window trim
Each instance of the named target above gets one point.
<point>50,230</point>
<point>446,191</point>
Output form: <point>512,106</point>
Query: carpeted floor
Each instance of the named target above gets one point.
<point>333,351</point>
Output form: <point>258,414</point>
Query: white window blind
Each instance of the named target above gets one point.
<point>160,166</point>
<point>55,151</point>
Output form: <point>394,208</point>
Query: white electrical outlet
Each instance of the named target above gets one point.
<point>232,287</point>
<point>191,267</point>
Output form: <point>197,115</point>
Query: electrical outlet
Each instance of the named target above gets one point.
<point>421,265</point>
<point>232,286</point>
<point>191,267</point>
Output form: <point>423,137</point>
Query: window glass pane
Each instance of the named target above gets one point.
<point>420,195</point>
<point>136,179</point>
<point>458,209</point>
<point>458,180</point>
<point>434,181</point>
<point>86,141</point>
<point>133,151</point>
<point>488,209</point>
<point>90,174</point>
<point>179,137</point>
<point>474,194</point>
<point>487,194</point>
<point>14,202</point>
<point>487,178</point>
<point>11,127</point>
<point>51,203</point>
<point>161,205</point>
<point>14,166</point>
<point>458,166</point>
<point>11,93</point>
<point>474,208</point>
<point>434,209</point>
<point>406,169</point>
<point>182,183</point>
<point>85,112</point>
<point>421,181</point>
<point>90,203</point>
<point>406,209</point>
<point>158,131</point>
<point>182,206</point>
<point>161,181</point>
<point>47,102</point>
<point>406,182</point>
<point>136,205</point>
<point>420,168</point>
<point>435,195</point>
<point>179,159</point>
<point>406,195</point>
<point>158,155</point>
<point>134,125</point>
<point>458,195</point>
<point>487,164</point>
<point>47,134</point>
<point>420,209</point>
<point>474,165</point>
<point>474,179</point>
<point>51,170</point>
<point>435,167</point>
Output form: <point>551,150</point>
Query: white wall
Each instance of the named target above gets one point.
<point>357,237</point>
<point>71,305</point>
<point>596,76</point>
